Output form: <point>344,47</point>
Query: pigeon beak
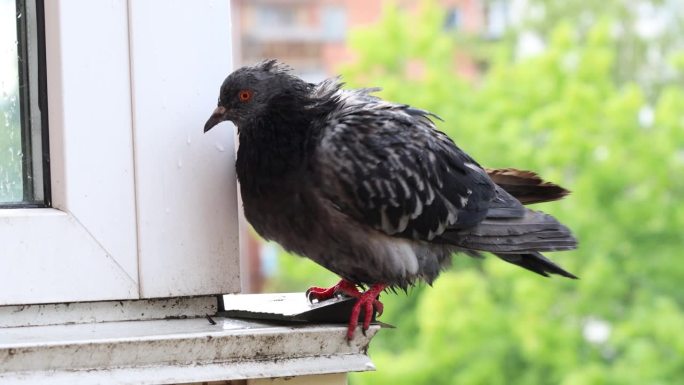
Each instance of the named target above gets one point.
<point>219,115</point>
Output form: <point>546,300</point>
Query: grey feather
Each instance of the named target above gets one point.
<point>536,262</point>
<point>388,166</point>
<point>534,231</point>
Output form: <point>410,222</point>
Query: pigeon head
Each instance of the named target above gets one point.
<point>248,92</point>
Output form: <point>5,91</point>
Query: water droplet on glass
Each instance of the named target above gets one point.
<point>19,15</point>
<point>220,147</point>
<point>188,140</point>
<point>179,164</point>
<point>167,210</point>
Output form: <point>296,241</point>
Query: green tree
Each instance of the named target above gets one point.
<point>563,114</point>
<point>647,35</point>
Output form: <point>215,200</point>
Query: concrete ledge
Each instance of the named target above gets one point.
<point>173,351</point>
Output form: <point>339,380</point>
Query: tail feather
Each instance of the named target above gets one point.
<point>514,233</point>
<point>537,263</point>
<point>535,231</point>
<point>516,246</point>
<point>531,222</point>
<point>526,186</point>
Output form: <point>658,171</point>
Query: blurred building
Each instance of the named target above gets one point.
<point>310,35</point>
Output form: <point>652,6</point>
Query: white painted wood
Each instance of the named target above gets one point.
<point>176,351</point>
<point>90,121</point>
<point>324,379</point>
<point>47,256</point>
<point>193,373</point>
<point>185,180</point>
<point>106,311</point>
<point>85,248</point>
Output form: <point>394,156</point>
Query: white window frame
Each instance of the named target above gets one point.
<point>143,203</point>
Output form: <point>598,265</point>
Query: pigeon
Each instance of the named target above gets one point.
<point>371,190</point>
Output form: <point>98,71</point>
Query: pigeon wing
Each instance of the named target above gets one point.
<point>387,166</point>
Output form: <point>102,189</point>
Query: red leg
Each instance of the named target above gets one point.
<point>322,293</point>
<point>369,301</point>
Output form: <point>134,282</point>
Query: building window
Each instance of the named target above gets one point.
<point>334,22</point>
<point>452,21</point>
<point>276,16</point>
<point>497,18</point>
<point>24,171</point>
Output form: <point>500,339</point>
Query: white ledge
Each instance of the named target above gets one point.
<point>175,351</point>
<point>105,311</point>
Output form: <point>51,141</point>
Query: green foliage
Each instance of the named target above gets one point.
<point>564,115</point>
<point>647,34</point>
<point>298,274</point>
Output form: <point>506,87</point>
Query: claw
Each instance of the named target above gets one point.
<point>379,307</point>
<point>316,293</point>
<point>322,293</point>
<point>369,301</point>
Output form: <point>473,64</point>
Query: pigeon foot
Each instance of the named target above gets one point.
<point>342,287</point>
<point>367,300</point>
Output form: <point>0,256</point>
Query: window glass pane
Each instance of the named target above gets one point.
<point>23,159</point>
<point>11,178</point>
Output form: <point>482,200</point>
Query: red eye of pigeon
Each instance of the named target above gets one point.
<point>245,95</point>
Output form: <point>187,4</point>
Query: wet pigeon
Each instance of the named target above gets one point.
<point>371,190</point>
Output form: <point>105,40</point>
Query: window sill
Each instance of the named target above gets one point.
<point>176,351</point>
